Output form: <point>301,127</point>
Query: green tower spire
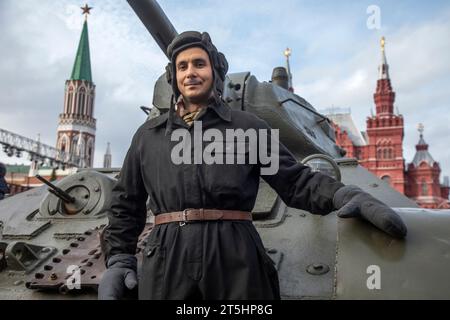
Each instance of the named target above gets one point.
<point>82,67</point>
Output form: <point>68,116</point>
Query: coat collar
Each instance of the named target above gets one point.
<point>169,118</point>
<point>222,110</point>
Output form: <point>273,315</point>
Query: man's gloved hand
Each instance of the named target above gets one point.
<point>351,202</point>
<point>119,277</point>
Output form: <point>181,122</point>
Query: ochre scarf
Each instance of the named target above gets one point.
<point>191,116</point>
<point>188,117</point>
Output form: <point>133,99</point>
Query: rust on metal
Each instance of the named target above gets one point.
<point>85,255</point>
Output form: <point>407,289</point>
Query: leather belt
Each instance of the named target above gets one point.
<point>201,215</point>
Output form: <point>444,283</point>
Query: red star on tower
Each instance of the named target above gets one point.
<point>86,10</point>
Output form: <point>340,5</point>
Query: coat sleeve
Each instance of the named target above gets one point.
<point>127,214</point>
<point>298,186</point>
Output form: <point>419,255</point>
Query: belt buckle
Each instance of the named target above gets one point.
<point>184,216</point>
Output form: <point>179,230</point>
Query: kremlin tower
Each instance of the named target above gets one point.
<point>384,152</point>
<point>77,125</point>
<point>380,150</point>
<point>423,178</point>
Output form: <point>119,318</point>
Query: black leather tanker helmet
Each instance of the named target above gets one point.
<point>191,39</point>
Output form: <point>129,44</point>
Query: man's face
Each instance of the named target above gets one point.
<point>194,75</point>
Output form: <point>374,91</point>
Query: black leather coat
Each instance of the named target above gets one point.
<point>148,171</point>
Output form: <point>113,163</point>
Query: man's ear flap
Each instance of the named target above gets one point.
<point>169,73</point>
<point>223,65</point>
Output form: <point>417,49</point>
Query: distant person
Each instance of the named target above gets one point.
<point>3,186</point>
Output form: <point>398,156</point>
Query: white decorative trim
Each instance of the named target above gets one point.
<point>75,127</point>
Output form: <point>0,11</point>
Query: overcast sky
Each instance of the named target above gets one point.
<point>334,60</point>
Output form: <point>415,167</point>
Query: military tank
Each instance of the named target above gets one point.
<point>49,236</point>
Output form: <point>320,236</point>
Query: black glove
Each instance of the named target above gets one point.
<point>351,202</point>
<point>119,276</point>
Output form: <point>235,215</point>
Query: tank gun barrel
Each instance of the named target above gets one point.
<point>61,194</point>
<point>156,21</point>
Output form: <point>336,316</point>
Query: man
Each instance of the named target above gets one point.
<point>3,185</point>
<point>212,251</point>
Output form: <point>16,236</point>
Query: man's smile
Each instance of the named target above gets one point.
<point>191,84</point>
